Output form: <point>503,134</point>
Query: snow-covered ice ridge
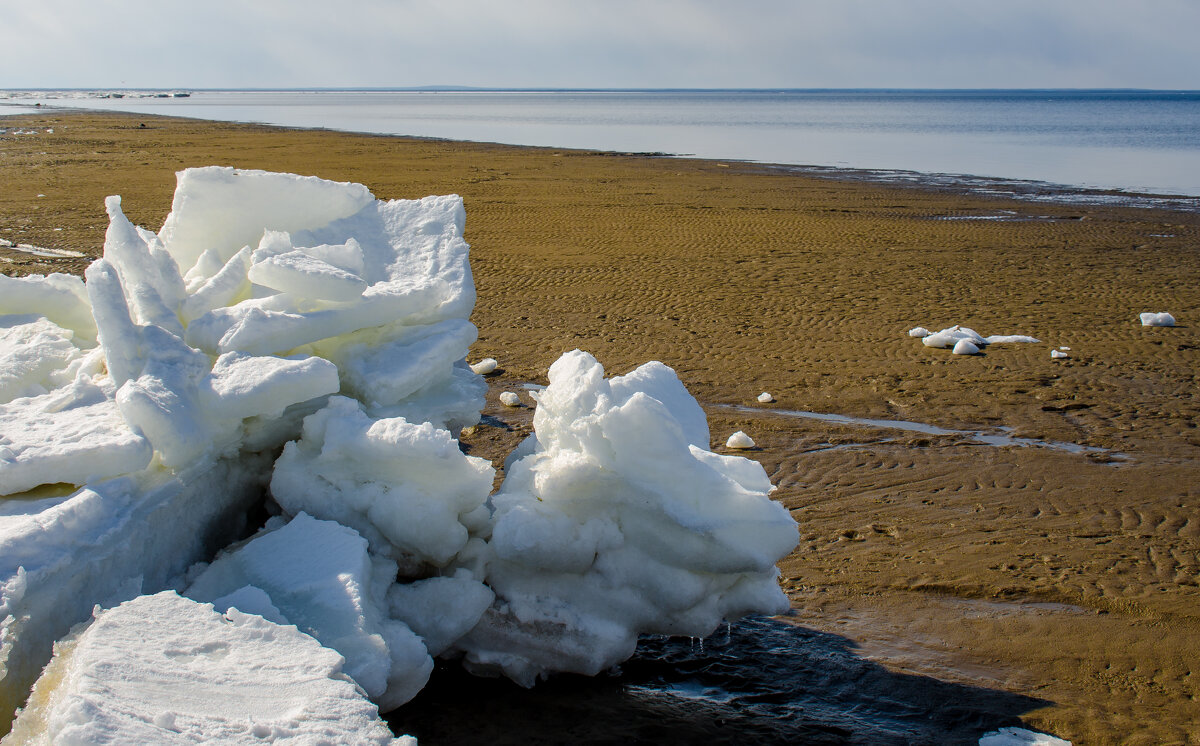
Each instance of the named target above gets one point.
<point>297,332</point>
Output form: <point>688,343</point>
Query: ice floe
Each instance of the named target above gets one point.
<point>293,332</point>
<point>1157,319</point>
<point>164,669</point>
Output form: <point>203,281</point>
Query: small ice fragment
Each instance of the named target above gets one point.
<point>919,331</point>
<point>965,347</point>
<point>765,398</point>
<point>484,366</point>
<point>1058,354</point>
<point>1064,348</point>
<point>1157,319</point>
<point>1020,737</point>
<point>510,399</point>
<point>950,336</point>
<point>739,440</point>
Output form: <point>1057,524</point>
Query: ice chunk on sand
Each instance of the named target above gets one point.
<point>617,524</point>
<point>965,347</point>
<point>1020,737</point>
<point>318,576</point>
<point>951,336</point>
<point>765,398</point>
<point>739,440</point>
<point>484,366</point>
<point>996,339</point>
<point>1058,354</point>
<point>919,331</point>
<point>510,399</point>
<point>165,669</point>
<point>406,488</point>
<point>1157,319</point>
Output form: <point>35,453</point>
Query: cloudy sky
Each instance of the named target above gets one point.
<point>601,43</point>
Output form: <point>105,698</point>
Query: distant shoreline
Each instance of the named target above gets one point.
<point>1140,154</point>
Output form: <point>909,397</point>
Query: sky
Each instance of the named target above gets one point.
<point>601,43</point>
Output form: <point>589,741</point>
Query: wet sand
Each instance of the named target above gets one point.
<point>1072,580</point>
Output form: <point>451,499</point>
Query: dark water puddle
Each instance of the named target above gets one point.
<point>758,681</point>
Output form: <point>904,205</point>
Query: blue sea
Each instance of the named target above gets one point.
<point>1135,141</point>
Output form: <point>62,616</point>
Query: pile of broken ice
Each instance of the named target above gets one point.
<point>298,333</point>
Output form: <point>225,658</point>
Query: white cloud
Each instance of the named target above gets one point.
<point>614,43</point>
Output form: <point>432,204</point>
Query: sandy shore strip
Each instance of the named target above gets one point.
<point>1072,577</point>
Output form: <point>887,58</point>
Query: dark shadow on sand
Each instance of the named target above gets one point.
<point>761,681</point>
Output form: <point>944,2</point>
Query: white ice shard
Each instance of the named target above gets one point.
<point>1157,319</point>
<point>965,347</point>
<point>618,522</point>
<point>167,670</point>
<point>484,366</point>
<point>318,576</point>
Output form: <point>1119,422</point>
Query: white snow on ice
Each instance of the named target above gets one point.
<point>166,670</point>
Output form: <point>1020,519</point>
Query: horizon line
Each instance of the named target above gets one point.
<point>560,89</point>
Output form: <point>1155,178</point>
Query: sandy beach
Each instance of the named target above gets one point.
<point>1068,576</point>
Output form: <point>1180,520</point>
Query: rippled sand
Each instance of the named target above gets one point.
<point>1066,584</point>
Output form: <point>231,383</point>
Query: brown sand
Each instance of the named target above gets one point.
<point>1072,578</point>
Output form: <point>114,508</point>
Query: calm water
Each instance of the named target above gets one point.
<point>1138,141</point>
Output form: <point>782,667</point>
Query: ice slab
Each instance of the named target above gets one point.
<point>62,554</point>
<point>167,670</point>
